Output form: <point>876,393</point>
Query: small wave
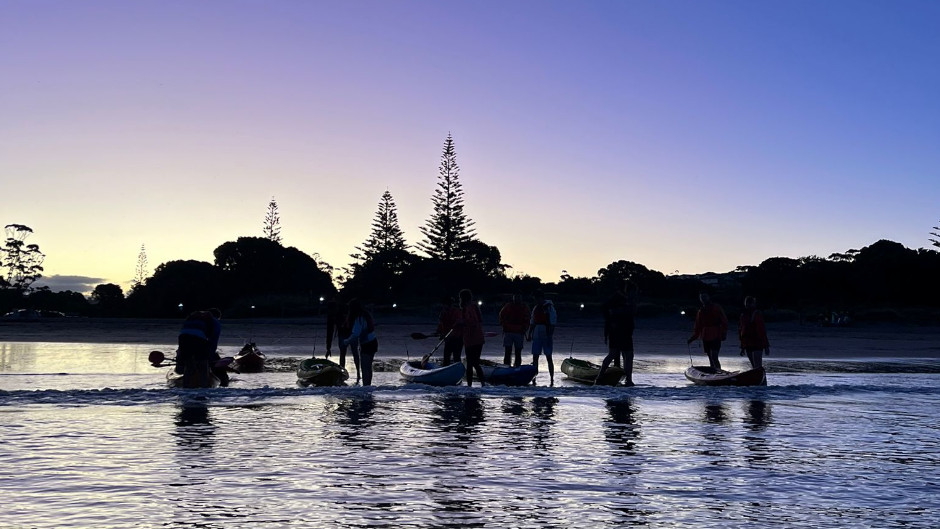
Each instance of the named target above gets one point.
<point>254,396</point>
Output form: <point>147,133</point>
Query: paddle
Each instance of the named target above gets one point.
<point>691,362</point>
<point>425,358</point>
<point>156,359</point>
<point>422,336</point>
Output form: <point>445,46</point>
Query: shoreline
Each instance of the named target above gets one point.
<point>581,336</point>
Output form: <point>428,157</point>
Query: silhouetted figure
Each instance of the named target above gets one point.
<point>711,325</point>
<point>362,333</point>
<point>196,354</point>
<point>447,323</point>
<point>619,314</point>
<point>541,332</point>
<point>337,324</point>
<point>514,319</point>
<point>471,325</point>
<point>753,333</point>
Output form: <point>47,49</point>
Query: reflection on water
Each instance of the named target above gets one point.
<point>529,458</point>
<point>621,431</point>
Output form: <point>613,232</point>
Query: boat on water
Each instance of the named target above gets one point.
<point>586,372</point>
<point>432,374</point>
<point>179,380</point>
<point>249,360</point>
<point>709,376</point>
<point>321,372</point>
<point>505,375</point>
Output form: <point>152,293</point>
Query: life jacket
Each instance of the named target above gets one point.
<point>199,324</point>
<point>541,314</point>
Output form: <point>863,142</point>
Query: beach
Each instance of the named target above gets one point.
<point>657,336</point>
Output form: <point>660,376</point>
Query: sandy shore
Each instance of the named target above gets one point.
<point>663,336</point>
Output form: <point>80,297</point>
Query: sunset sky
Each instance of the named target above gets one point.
<point>687,136</point>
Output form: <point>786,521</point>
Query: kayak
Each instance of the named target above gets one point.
<point>321,372</point>
<point>586,372</point>
<point>177,380</point>
<point>249,360</point>
<point>504,375</point>
<point>709,376</point>
<point>432,374</point>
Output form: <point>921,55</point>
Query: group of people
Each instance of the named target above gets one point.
<point>461,327</point>
<point>711,325</point>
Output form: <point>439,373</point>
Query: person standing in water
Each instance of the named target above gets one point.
<point>337,324</point>
<point>753,333</point>
<point>471,324</point>
<point>711,325</point>
<point>514,319</point>
<point>541,332</point>
<point>449,331</point>
<point>619,314</point>
<point>362,334</point>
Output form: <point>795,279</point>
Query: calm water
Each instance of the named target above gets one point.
<point>91,438</point>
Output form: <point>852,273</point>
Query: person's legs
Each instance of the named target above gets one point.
<point>354,350</point>
<point>711,349</point>
<point>549,346</point>
<point>342,354</point>
<point>756,357</point>
<point>366,356</point>
<point>611,355</point>
<point>507,347</point>
<point>473,363</point>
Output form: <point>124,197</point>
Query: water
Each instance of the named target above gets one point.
<point>92,438</point>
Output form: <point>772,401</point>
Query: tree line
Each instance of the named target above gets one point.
<point>259,276</point>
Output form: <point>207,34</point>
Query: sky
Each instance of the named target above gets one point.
<point>686,136</point>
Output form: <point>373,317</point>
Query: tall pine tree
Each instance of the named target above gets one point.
<point>386,244</point>
<point>272,223</point>
<point>448,230</point>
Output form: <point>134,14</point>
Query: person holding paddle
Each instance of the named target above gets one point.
<point>198,340</point>
<point>711,325</point>
<point>471,325</point>
<point>362,334</point>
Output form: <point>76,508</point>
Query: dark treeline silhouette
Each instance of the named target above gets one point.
<point>259,277</point>
<point>256,276</point>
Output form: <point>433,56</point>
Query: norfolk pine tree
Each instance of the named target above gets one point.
<point>272,223</point>
<point>448,230</point>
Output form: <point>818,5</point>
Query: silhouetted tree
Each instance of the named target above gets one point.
<point>272,223</point>
<point>22,262</point>
<point>935,242</point>
<point>255,265</point>
<point>140,273</point>
<point>448,230</point>
<point>109,299</point>
<point>386,244</point>
<point>66,301</point>
<point>195,285</point>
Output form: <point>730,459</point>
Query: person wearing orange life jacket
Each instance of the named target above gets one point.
<point>711,325</point>
<point>514,319</point>
<point>471,326</point>
<point>753,333</point>
<point>541,332</point>
<point>196,355</point>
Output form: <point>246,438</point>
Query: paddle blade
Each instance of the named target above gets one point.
<point>421,335</point>
<point>156,357</point>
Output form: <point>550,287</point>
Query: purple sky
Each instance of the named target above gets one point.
<point>686,136</point>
